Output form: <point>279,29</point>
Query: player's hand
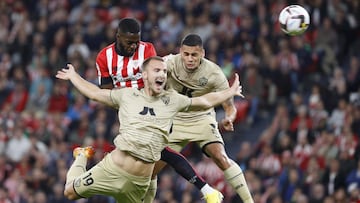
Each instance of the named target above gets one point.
<point>227,124</point>
<point>66,73</point>
<point>237,87</point>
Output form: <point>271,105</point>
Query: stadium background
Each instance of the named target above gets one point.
<point>297,130</point>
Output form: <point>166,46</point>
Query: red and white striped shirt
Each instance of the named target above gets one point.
<point>120,70</point>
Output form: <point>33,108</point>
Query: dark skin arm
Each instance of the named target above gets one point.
<point>230,115</point>
<point>107,86</point>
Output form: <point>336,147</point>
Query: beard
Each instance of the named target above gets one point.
<point>122,51</point>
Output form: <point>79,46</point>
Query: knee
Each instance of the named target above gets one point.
<point>221,160</point>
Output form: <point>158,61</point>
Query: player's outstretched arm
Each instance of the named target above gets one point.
<point>216,98</point>
<point>86,88</point>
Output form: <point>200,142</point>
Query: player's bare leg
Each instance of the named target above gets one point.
<point>232,171</point>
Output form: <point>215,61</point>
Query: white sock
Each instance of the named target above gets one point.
<point>206,189</point>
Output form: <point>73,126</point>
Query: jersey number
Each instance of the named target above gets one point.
<point>88,180</point>
<point>186,91</point>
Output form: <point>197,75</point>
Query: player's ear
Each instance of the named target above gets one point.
<point>144,75</point>
<point>117,34</point>
<point>203,52</point>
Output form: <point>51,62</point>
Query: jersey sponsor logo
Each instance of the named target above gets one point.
<point>147,110</point>
<point>119,78</point>
<point>165,99</point>
<point>148,115</point>
<point>203,81</point>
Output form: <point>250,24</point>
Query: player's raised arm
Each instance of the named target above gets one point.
<point>86,88</point>
<point>216,98</point>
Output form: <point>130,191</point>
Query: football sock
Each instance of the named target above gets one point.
<point>151,192</point>
<point>77,168</point>
<point>236,179</point>
<point>182,167</point>
<point>206,189</point>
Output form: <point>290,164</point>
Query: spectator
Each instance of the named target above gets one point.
<point>78,47</point>
<point>4,195</point>
<point>18,146</point>
<point>352,74</point>
<point>58,101</point>
<point>326,46</point>
<point>302,150</point>
<point>354,176</point>
<point>40,197</point>
<point>5,168</point>
<point>170,26</point>
<point>317,193</point>
<point>288,63</point>
<point>253,87</point>
<point>338,83</point>
<point>337,117</point>
<point>244,154</point>
<point>326,146</point>
<point>204,27</point>
<point>340,195</point>
<point>354,192</point>
<point>79,109</point>
<point>333,178</point>
<point>329,199</point>
<point>301,122</point>
<point>18,98</point>
<point>290,184</point>
<point>268,163</point>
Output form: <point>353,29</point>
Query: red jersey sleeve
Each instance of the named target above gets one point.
<point>150,50</point>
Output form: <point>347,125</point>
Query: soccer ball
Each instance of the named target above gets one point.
<point>294,20</point>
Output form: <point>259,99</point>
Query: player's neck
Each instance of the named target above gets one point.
<point>149,92</point>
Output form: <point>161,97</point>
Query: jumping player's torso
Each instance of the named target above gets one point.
<point>208,77</point>
<point>145,122</point>
<point>122,71</point>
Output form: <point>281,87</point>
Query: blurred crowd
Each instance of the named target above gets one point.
<point>308,84</point>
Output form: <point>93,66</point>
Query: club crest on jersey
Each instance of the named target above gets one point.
<point>165,99</point>
<point>203,81</point>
